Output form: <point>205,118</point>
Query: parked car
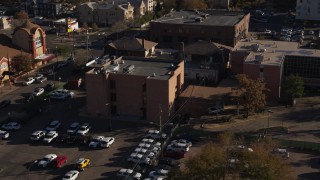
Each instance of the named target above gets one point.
<point>4,134</point>
<point>182,141</point>
<point>139,158</point>
<point>169,162</point>
<point>37,135</point>
<point>161,173</point>
<point>5,103</point>
<point>84,129</point>
<point>11,126</point>
<point>29,98</point>
<point>145,152</point>
<point>73,128</point>
<point>95,141</point>
<point>29,81</point>
<point>71,175</point>
<point>82,163</point>
<point>46,160</point>
<point>38,91</point>
<point>62,138</point>
<point>59,161</point>
<point>151,141</point>
<point>107,142</point>
<point>124,173</point>
<point>42,80</point>
<point>53,126</point>
<point>38,76</point>
<point>50,136</point>
<point>49,86</point>
<point>174,154</point>
<point>155,134</point>
<point>178,147</point>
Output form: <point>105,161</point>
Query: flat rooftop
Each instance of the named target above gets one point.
<point>271,52</point>
<point>214,18</point>
<point>152,68</point>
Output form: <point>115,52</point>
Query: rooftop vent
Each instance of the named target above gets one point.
<point>153,75</point>
<point>128,68</point>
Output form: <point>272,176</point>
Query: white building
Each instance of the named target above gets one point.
<point>308,10</point>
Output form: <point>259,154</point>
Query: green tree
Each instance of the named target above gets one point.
<point>95,27</point>
<point>21,63</point>
<point>168,5</point>
<point>64,50</point>
<point>21,15</point>
<point>251,93</point>
<point>293,87</point>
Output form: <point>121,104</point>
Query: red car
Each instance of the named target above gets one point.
<point>59,161</point>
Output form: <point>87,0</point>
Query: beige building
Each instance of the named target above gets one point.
<point>105,13</point>
<point>5,22</point>
<point>150,5</point>
<point>134,87</point>
<point>308,10</point>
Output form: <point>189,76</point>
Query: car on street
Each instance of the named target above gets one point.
<point>4,134</point>
<point>38,91</point>
<point>29,98</point>
<point>38,76</point>
<point>155,134</point>
<point>5,103</point>
<point>73,128</point>
<point>178,147</point>
<point>82,163</point>
<point>182,141</point>
<point>46,160</point>
<point>139,158</point>
<point>37,135</point>
<point>59,161</point>
<point>84,129</point>
<point>42,80</point>
<point>124,173</point>
<point>53,125</point>
<point>50,136</point>
<point>71,175</point>
<point>29,81</point>
<point>107,142</point>
<point>95,141</point>
<point>49,86</point>
<point>161,173</point>
<point>11,126</point>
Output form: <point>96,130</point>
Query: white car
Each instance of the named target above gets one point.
<point>37,135</point>
<point>151,141</point>
<point>53,126</point>
<point>155,134</point>
<point>128,173</point>
<point>50,136</point>
<point>139,158</point>
<point>95,141</point>
<point>38,91</point>
<point>73,128</point>
<point>107,142</point>
<point>160,173</point>
<point>149,147</point>
<point>179,147</point>
<point>182,141</point>
<point>42,79</point>
<point>11,126</point>
<point>71,175</point>
<point>145,152</point>
<point>29,81</point>
<point>38,76</point>
<point>4,134</point>
<point>84,129</point>
<point>46,160</point>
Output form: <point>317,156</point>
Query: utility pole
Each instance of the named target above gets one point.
<point>160,130</point>
<point>87,37</point>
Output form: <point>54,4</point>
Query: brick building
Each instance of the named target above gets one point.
<point>135,87</point>
<point>222,27</point>
<point>272,61</point>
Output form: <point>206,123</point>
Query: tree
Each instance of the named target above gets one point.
<point>293,87</point>
<point>220,161</point>
<point>21,15</point>
<point>85,25</point>
<point>21,63</point>
<point>80,58</point>
<point>192,4</point>
<point>95,27</point>
<point>251,93</point>
<point>168,5</point>
<point>64,50</point>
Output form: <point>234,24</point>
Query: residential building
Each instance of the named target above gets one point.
<point>139,7</point>
<point>272,61</point>
<point>104,13</point>
<point>308,10</point>
<point>66,25</point>
<point>5,22</point>
<point>131,47</point>
<point>134,87</point>
<point>205,61</point>
<point>49,9</point>
<point>150,5</point>
<point>222,27</point>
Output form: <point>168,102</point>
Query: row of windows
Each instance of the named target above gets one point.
<point>306,67</point>
<point>113,85</point>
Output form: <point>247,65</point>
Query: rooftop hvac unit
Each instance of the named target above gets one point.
<point>128,68</point>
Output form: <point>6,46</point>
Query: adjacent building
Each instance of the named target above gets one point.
<point>5,22</point>
<point>134,87</point>
<point>131,47</point>
<point>104,13</point>
<point>272,61</point>
<point>224,27</point>
<point>49,9</point>
<point>308,10</point>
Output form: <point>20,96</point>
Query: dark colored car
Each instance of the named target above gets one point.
<point>83,140</point>
<point>62,138</point>
<point>59,161</point>
<point>5,103</point>
<point>174,154</point>
<point>72,140</point>
<point>49,86</point>
<point>29,98</point>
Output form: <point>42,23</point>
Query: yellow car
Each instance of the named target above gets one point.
<point>83,163</point>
